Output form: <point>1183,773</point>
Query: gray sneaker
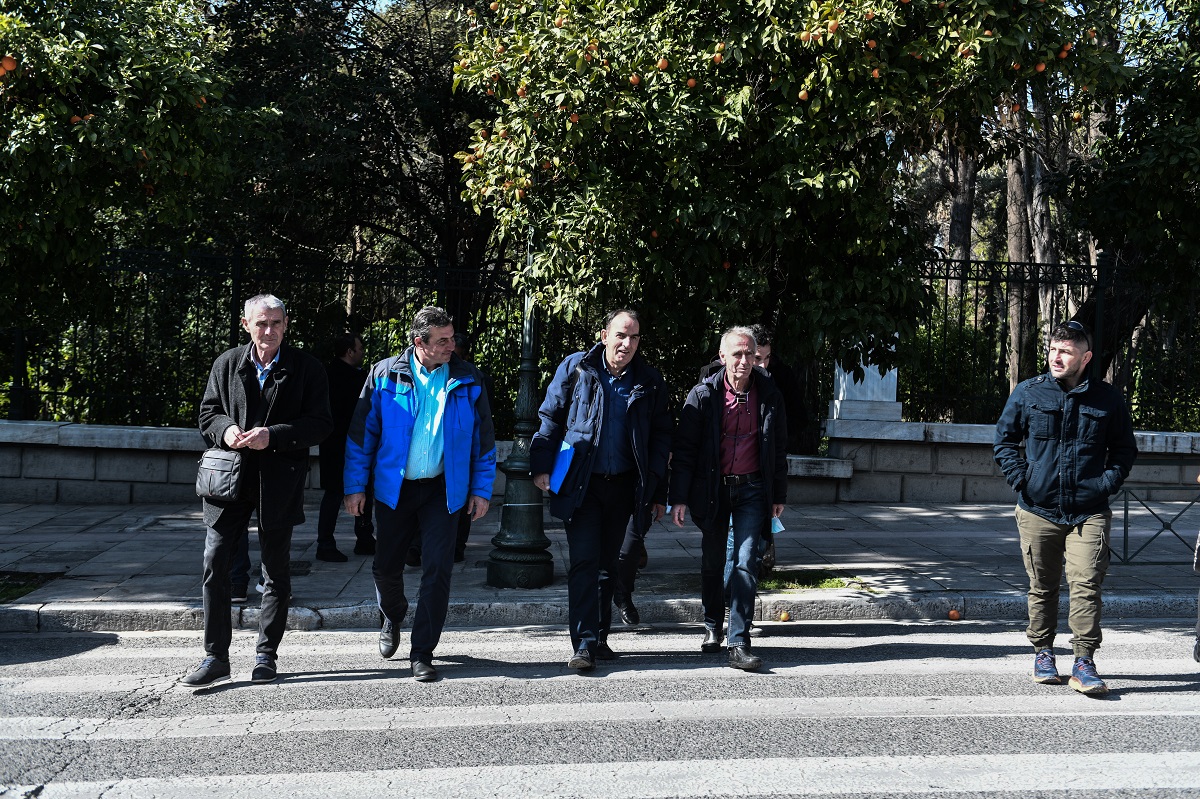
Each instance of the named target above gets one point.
<point>211,671</point>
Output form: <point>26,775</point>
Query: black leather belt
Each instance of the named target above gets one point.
<point>424,480</point>
<point>740,479</point>
<point>613,476</point>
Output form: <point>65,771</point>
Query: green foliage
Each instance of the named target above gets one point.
<point>112,116</point>
<point>733,162</point>
<point>1139,194</point>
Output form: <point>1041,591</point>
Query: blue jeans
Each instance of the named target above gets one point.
<point>420,514</point>
<point>748,505</point>
<point>594,536</point>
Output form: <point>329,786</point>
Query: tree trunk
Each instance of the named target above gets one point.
<point>963,171</point>
<point>1022,294</point>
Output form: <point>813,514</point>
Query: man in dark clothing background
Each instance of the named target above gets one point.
<point>346,377</point>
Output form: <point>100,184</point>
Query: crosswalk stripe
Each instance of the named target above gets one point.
<point>1065,704</point>
<point>921,775</point>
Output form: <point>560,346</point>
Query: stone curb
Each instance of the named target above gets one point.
<point>811,605</point>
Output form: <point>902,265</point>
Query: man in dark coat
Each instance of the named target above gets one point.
<point>346,377</point>
<point>606,412</point>
<point>270,403</point>
<point>730,460</point>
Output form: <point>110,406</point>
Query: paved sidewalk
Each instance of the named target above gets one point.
<point>138,568</point>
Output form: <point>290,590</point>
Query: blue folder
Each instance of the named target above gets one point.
<point>562,464</point>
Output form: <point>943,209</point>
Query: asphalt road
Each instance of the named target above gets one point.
<point>842,709</point>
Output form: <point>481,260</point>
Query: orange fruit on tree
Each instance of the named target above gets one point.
<point>635,79</point>
<point>521,91</point>
<point>494,6</point>
<point>875,73</point>
<point>720,46</point>
<point>1040,66</point>
<point>1062,53</point>
<point>691,83</point>
<point>558,23</point>
<point>663,63</point>
<point>803,95</point>
<point>76,119</point>
<point>805,36</point>
<point>574,119</point>
<point>870,44</point>
<point>869,15</point>
<point>987,33</point>
<point>9,63</point>
<point>718,58</point>
<point>833,25</point>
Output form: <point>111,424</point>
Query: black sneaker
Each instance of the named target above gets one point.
<point>331,555</point>
<point>364,546</point>
<point>602,651</point>
<point>211,671</point>
<point>238,594</point>
<point>264,669</point>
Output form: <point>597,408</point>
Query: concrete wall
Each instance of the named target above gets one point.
<point>44,462</point>
<point>912,462</point>
<point>882,462</point>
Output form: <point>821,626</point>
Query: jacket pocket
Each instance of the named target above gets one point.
<point>1044,422</point>
<point>1093,423</point>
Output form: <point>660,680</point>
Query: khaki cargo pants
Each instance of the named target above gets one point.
<point>1083,548</point>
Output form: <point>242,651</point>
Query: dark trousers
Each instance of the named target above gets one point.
<point>747,504</point>
<point>594,536</point>
<point>420,514</point>
<point>331,505</point>
<point>221,544</point>
<point>632,548</point>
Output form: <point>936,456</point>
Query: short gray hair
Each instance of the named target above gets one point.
<point>268,301</point>
<point>426,319</point>
<point>739,331</point>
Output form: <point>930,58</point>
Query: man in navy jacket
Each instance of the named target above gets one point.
<point>1079,448</point>
<point>609,407</point>
<point>423,426</point>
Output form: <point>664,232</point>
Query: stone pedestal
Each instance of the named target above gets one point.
<point>874,399</point>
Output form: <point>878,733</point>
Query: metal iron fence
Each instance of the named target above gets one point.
<point>131,341</point>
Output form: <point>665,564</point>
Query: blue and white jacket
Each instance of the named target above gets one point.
<point>381,432</point>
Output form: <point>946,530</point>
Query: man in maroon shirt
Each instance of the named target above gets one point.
<point>730,461</point>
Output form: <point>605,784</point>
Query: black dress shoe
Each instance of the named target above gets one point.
<point>740,658</point>
<point>583,660</point>
<point>627,610</point>
<point>423,671</point>
<point>389,641</point>
<point>712,641</point>
<point>603,651</point>
<point>412,557</point>
<point>364,546</point>
<point>331,555</point>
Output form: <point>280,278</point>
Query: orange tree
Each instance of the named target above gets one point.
<point>110,122</point>
<point>721,161</point>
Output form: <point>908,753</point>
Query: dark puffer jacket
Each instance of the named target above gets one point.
<point>573,411</point>
<point>1079,447</point>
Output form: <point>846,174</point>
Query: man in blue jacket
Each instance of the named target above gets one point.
<point>609,407</point>
<point>424,427</point>
<point>1079,448</point>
